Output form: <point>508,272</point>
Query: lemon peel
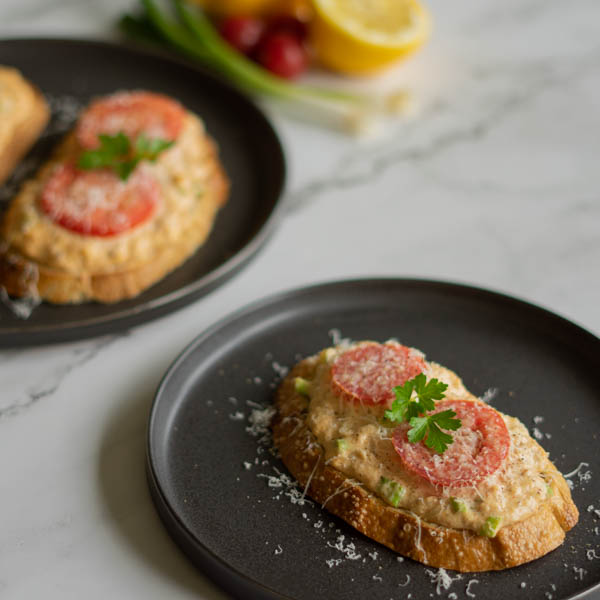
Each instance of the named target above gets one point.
<point>364,36</point>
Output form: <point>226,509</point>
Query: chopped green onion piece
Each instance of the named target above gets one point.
<point>391,490</point>
<point>490,527</point>
<point>549,490</point>
<point>458,505</point>
<point>342,444</point>
<point>326,355</point>
<point>302,386</point>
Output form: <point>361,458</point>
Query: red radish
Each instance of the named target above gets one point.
<point>283,54</point>
<point>243,33</point>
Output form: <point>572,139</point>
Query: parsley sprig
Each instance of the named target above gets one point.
<point>413,400</point>
<point>118,153</point>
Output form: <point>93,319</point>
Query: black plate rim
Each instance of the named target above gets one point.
<point>236,581</point>
<point>50,333</point>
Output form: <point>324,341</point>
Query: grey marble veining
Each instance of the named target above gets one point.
<point>17,398</point>
<point>498,164</point>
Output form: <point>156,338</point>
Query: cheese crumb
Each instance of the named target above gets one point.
<point>468,591</point>
<point>441,579</point>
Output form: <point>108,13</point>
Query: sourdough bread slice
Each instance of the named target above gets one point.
<point>23,116</point>
<point>402,530</point>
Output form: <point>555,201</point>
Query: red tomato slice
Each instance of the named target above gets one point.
<point>480,446</point>
<point>133,113</point>
<point>98,202</point>
<point>368,372</point>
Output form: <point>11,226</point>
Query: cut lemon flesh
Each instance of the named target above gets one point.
<point>364,36</point>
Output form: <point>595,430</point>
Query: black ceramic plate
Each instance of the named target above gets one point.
<point>71,72</point>
<point>210,477</point>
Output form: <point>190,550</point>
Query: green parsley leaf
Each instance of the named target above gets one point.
<point>419,427</point>
<point>400,405</point>
<point>150,148</point>
<point>115,144</point>
<point>428,391</point>
<point>436,439</point>
<point>404,407</point>
<point>427,428</point>
<point>445,419</point>
<point>116,152</point>
<point>413,400</point>
<point>124,169</point>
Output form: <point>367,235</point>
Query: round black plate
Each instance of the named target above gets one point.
<point>254,541</point>
<point>70,73</point>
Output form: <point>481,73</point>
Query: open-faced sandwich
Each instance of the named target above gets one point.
<point>23,115</point>
<point>398,447</point>
<point>128,196</point>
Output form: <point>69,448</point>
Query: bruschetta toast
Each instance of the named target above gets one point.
<point>127,197</point>
<point>398,447</point>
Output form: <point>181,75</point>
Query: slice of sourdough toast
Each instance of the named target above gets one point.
<point>413,530</point>
<point>23,115</point>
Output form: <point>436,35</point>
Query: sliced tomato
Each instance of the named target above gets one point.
<point>479,448</point>
<point>98,202</point>
<point>132,113</point>
<point>368,372</point>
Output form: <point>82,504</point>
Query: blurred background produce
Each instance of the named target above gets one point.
<point>265,46</point>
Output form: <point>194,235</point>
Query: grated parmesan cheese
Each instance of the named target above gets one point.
<point>281,370</point>
<point>489,395</point>
<point>348,550</point>
<point>441,579</point>
<point>22,307</point>
<point>468,591</point>
<point>260,419</point>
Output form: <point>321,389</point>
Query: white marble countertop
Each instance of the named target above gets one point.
<point>501,162</point>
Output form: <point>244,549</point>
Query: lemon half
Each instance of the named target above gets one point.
<point>364,36</point>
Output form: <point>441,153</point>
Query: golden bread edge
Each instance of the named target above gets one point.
<point>26,130</point>
<point>400,530</point>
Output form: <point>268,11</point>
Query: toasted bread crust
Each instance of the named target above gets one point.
<point>23,272</point>
<point>20,128</point>
<point>401,530</point>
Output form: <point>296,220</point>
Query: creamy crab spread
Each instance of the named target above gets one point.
<point>357,442</point>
